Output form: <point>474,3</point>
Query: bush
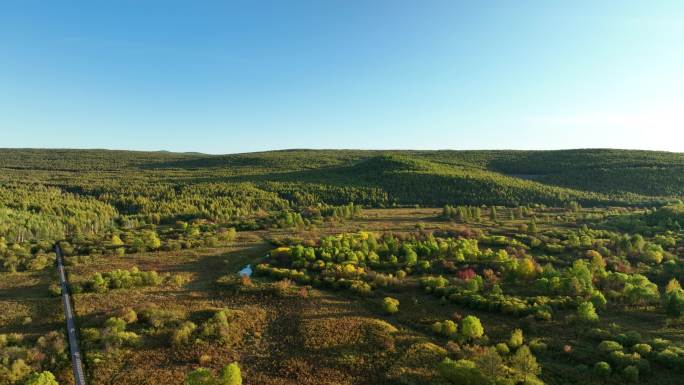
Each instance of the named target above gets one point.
<point>199,376</point>
<point>602,369</point>
<point>660,343</point>
<point>122,279</point>
<point>631,373</point>
<point>668,357</point>
<point>437,327</point>
<point>390,305</point>
<point>218,326</point>
<point>516,339</point>
<point>43,378</point>
<point>586,312</point>
<point>471,327</point>
<point>598,299</point>
<point>282,287</point>
<point>538,346</point>
<point>609,347</point>
<point>129,315</point>
<point>502,348</point>
<point>230,375</point>
<point>642,349</point>
<point>462,372</point>
<point>628,339</point>
<point>55,289</point>
<point>622,359</point>
<point>449,328</point>
<point>183,334</point>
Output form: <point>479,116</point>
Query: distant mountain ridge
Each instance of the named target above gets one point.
<point>593,176</point>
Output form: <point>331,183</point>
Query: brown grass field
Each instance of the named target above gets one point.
<point>295,335</point>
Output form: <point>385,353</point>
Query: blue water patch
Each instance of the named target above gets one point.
<point>247,270</point>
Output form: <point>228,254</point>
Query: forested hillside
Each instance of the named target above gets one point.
<point>52,193</point>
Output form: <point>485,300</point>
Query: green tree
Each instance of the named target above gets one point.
<point>490,362</point>
<point>525,363</point>
<point>471,327</point>
<point>17,370</point>
<point>230,375</point>
<point>672,285</point>
<point>200,376</point>
<point>390,305</point>
<point>598,299</point>
<point>586,312</point>
<point>449,328</point>
<point>116,241</point>
<point>674,302</point>
<point>42,378</point>
<point>462,372</point>
<point>602,369</point>
<point>182,334</point>
<point>151,240</point>
<point>516,339</point>
<point>631,372</point>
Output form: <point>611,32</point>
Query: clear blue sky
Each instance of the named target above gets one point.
<point>223,77</point>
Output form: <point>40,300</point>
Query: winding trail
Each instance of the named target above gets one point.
<point>76,362</point>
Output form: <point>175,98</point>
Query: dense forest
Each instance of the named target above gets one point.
<point>49,194</point>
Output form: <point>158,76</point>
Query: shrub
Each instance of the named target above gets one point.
<point>390,305</point>
<point>183,334</point>
<point>361,288</point>
<point>525,364</point>
<point>449,328</point>
<point>462,372</point>
<point>437,327</point>
<point>282,287</point>
<point>598,333</point>
<point>230,375</point>
<point>668,357</point>
<point>199,376</point>
<point>609,346</point>
<point>516,339</point>
<point>471,327</point>
<point>631,373</point>
<point>660,343</point>
<point>122,279</point>
<point>538,346</point>
<point>598,299</point>
<point>586,312</point>
<point>602,369</point>
<point>156,317</point>
<point>218,326</point>
<point>129,315</point>
<point>623,359</point>
<point>43,378</point>
<point>628,339</point>
<point>674,302</point>
<point>642,349</point>
<point>502,348</point>
<point>55,289</point>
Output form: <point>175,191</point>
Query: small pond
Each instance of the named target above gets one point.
<point>247,270</point>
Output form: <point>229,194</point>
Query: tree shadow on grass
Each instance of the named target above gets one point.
<point>208,268</point>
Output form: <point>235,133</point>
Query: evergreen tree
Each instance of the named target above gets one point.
<point>525,363</point>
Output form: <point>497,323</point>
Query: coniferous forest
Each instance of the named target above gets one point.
<point>344,266</point>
